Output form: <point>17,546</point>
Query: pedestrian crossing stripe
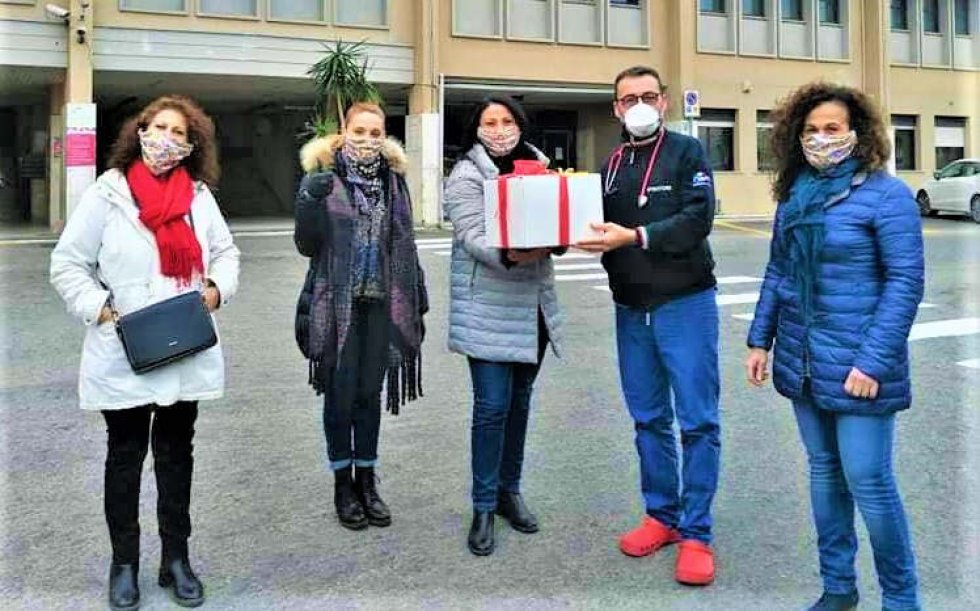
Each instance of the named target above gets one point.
<point>970,363</point>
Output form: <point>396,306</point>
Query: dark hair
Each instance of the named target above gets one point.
<point>789,119</point>
<point>202,163</point>
<point>473,124</point>
<point>636,71</point>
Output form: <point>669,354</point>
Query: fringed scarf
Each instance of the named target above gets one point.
<point>332,302</point>
<point>803,230</point>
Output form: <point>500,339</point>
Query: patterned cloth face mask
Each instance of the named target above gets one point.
<point>499,142</point>
<point>823,152</point>
<point>161,153</point>
<point>363,149</point>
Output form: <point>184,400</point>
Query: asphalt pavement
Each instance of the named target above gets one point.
<point>265,536</point>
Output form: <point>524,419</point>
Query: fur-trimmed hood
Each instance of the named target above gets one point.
<point>319,153</point>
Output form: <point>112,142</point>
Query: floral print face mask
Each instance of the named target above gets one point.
<point>499,142</point>
<point>823,151</point>
<point>161,153</point>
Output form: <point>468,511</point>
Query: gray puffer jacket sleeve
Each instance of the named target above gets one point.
<point>463,202</point>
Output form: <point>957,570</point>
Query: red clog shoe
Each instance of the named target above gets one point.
<point>647,538</point>
<point>695,563</point>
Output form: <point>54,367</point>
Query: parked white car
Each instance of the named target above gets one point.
<point>955,188</point>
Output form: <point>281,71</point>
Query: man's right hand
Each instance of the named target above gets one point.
<point>756,365</point>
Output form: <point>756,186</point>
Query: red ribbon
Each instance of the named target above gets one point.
<point>502,205</point>
<point>564,213</point>
<point>525,167</point>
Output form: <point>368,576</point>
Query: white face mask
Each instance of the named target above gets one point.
<point>641,120</point>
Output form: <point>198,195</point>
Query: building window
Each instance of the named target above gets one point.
<point>754,8</point>
<point>627,23</point>
<point>792,10</point>
<point>904,141</point>
<point>157,6</point>
<point>633,3</point>
<point>713,6</point>
<point>716,131</point>
<point>961,17</point>
<point>765,160</point>
<point>232,8</point>
<point>830,11</point>
<point>899,15</point>
<point>477,17</point>
<point>950,140</point>
<point>371,13</point>
<point>296,10</point>
<point>930,16</point>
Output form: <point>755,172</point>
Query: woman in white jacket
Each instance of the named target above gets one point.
<point>147,230</point>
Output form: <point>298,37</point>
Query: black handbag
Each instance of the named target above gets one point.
<point>166,331</point>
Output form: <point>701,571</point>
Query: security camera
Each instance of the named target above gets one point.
<point>56,12</point>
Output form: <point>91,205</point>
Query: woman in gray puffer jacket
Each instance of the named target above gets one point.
<point>503,314</point>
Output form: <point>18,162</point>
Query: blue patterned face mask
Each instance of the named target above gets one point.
<point>823,151</point>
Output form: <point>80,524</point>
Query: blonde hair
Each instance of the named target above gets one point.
<point>359,107</point>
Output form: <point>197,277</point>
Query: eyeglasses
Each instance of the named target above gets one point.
<point>650,98</point>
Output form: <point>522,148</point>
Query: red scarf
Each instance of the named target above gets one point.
<point>164,201</point>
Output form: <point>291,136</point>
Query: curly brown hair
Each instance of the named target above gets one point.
<point>789,119</point>
<point>202,163</point>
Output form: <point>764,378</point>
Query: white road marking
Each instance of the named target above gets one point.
<point>971,363</point>
<point>570,267</point>
<point>953,327</point>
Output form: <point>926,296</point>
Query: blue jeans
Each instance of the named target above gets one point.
<point>669,350</point>
<point>501,405</point>
<point>851,462</point>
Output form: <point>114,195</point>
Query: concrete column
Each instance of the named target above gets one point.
<point>78,123</point>
<point>423,126</point>
<point>679,73</point>
<point>876,68</point>
<point>56,168</point>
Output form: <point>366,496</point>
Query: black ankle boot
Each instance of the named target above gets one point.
<point>836,602</point>
<point>511,506</point>
<point>124,590</point>
<point>367,492</point>
<point>349,509</point>
<point>480,540</point>
<point>185,588</point>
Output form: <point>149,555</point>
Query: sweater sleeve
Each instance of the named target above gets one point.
<point>898,235</point>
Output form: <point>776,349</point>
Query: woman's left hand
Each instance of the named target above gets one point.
<point>860,385</point>
<point>211,298</point>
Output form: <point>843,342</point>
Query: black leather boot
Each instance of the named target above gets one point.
<point>185,588</point>
<point>480,540</point>
<point>349,509</point>
<point>367,493</point>
<point>124,590</point>
<point>511,506</point>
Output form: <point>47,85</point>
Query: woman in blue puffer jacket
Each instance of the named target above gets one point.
<point>842,287</point>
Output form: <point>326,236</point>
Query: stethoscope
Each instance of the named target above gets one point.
<point>616,160</point>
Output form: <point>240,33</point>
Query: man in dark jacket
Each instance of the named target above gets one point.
<point>659,204</point>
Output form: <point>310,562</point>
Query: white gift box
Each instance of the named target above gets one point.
<point>535,211</point>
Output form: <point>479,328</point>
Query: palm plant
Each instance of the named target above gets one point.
<point>340,79</point>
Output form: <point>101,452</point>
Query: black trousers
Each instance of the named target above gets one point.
<point>352,404</point>
<point>169,431</point>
